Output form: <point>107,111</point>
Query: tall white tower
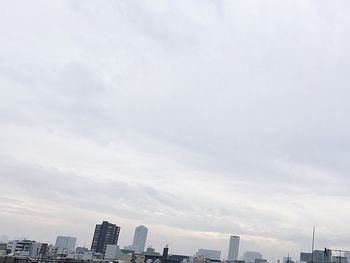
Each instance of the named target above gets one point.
<point>140,237</point>
<point>233,248</point>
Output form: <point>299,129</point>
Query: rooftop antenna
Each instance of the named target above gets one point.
<point>313,244</point>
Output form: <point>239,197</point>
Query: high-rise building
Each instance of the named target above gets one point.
<point>105,234</point>
<point>165,255</point>
<point>140,237</point>
<point>233,248</point>
<point>65,243</point>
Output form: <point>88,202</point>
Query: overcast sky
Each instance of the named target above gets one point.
<point>198,119</point>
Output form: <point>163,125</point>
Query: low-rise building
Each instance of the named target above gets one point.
<point>113,252</point>
<point>65,242</point>
<point>318,256</point>
<point>209,253</point>
<point>251,256</point>
<point>3,247</point>
<point>339,259</point>
<point>20,247</point>
<point>78,255</point>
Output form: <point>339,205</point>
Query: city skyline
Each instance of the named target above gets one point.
<point>64,250</point>
<point>99,242</point>
<point>65,245</point>
<point>234,253</point>
<point>201,119</point>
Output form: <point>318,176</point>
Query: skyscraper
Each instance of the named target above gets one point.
<point>233,248</point>
<point>105,234</point>
<point>140,237</point>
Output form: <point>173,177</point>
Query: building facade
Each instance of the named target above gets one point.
<point>65,243</point>
<point>3,247</point>
<point>105,234</point>
<point>19,247</point>
<point>140,237</point>
<point>233,248</point>
<point>318,256</point>
<point>209,254</point>
<point>251,256</point>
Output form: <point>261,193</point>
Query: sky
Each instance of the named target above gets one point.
<point>199,119</point>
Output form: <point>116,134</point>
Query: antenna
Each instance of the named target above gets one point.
<point>313,244</point>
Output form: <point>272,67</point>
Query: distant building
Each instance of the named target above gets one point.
<point>150,256</point>
<point>305,257</point>
<point>178,259</point>
<point>318,256</point>
<point>139,241</point>
<point>347,255</point>
<point>260,260</point>
<point>113,252</point>
<point>209,254</point>
<point>165,254</point>
<point>233,248</point>
<point>251,256</point>
<point>140,237</point>
<point>151,251</point>
<point>105,234</point>
<point>322,255</point>
<point>35,250</point>
<point>19,247</point>
<point>79,255</point>
<point>4,238</point>
<point>205,260</point>
<point>3,247</point>
<point>64,243</point>
<point>25,248</point>
<point>288,260</point>
<point>339,259</point>
<point>200,259</point>
<point>44,250</point>
<point>235,261</point>
<point>82,250</point>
